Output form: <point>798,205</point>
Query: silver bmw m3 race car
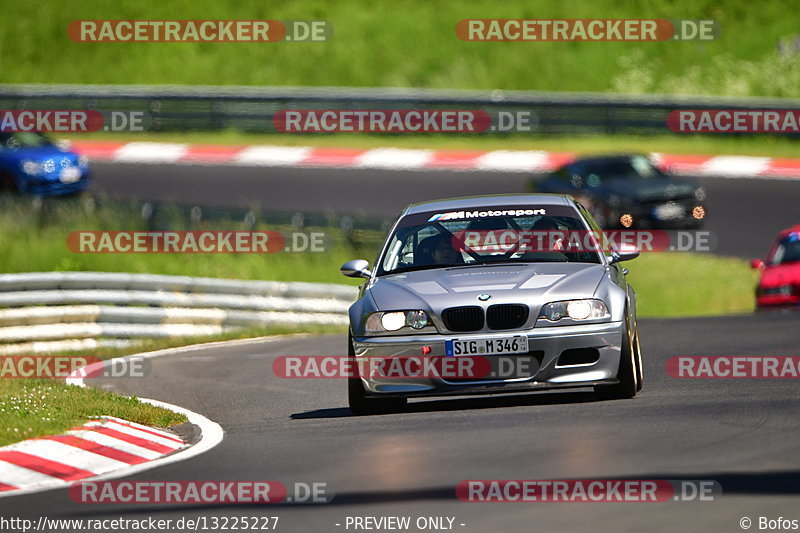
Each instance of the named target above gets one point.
<point>481,295</point>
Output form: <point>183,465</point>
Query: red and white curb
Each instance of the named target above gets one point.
<point>38,474</point>
<point>405,159</point>
<point>98,447</point>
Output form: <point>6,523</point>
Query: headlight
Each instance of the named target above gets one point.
<point>395,320</point>
<point>32,168</point>
<point>700,194</point>
<point>574,310</point>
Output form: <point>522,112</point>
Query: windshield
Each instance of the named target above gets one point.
<point>636,167</point>
<point>787,250</point>
<point>465,238</point>
<point>23,139</point>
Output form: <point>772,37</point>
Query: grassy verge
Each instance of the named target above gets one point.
<point>35,240</point>
<point>672,284</point>
<point>412,43</point>
<point>669,144</point>
<point>35,407</point>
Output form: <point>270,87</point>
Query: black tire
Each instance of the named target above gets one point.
<point>626,374</point>
<point>360,404</point>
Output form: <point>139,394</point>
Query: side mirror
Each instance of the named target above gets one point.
<point>757,264</point>
<point>356,268</point>
<point>624,253</point>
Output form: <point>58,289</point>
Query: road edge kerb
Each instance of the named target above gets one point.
<point>524,161</point>
<point>211,433</point>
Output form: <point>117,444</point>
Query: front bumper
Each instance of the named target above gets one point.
<point>646,215</point>
<point>546,345</point>
<point>53,187</point>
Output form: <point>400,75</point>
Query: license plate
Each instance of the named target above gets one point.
<point>496,346</point>
<point>668,211</point>
<point>70,175</point>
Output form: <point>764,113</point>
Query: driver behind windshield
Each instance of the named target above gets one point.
<point>438,250</point>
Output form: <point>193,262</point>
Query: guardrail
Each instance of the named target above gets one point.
<point>44,311</point>
<point>212,108</point>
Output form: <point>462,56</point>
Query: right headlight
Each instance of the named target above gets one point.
<point>382,322</point>
<point>580,310</point>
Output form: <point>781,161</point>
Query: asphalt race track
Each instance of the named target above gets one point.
<point>742,433</point>
<point>746,214</point>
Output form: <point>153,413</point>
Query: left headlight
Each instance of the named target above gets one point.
<point>589,309</point>
<point>31,168</point>
<point>396,320</point>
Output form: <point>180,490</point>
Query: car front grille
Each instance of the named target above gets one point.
<point>506,316</point>
<point>468,318</point>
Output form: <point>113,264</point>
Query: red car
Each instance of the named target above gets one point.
<point>780,273</point>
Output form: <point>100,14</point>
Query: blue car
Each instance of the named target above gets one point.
<point>31,164</point>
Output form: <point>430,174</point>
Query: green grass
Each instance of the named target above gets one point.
<point>412,43</point>
<point>755,145</point>
<point>672,284</point>
<point>33,241</point>
<point>36,407</point>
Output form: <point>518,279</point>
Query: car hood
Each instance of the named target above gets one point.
<point>534,284</point>
<point>788,274</point>
<point>651,190</point>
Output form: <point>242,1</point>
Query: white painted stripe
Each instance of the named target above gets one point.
<point>142,152</point>
<point>272,155</point>
<point>117,444</point>
<point>742,166</point>
<point>19,476</point>
<point>136,433</point>
<point>516,161</point>
<point>394,158</point>
<point>68,455</point>
<point>161,432</point>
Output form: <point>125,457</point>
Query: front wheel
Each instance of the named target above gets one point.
<point>360,403</point>
<point>628,373</point>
